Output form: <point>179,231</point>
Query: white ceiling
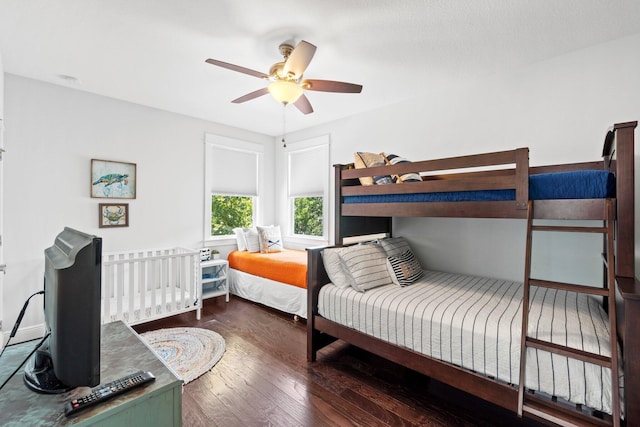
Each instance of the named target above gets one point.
<point>152,52</point>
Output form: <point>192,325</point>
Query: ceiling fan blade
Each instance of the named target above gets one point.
<point>331,86</point>
<point>252,95</point>
<point>303,105</point>
<point>299,59</point>
<point>237,68</point>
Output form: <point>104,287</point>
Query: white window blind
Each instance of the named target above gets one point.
<point>232,171</point>
<point>308,171</point>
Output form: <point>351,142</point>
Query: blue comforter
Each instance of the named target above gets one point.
<point>591,184</point>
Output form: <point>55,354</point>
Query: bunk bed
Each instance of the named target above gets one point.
<point>495,191</point>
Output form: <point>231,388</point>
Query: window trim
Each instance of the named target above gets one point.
<point>227,143</point>
<point>297,147</point>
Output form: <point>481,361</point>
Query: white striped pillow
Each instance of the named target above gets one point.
<point>394,246</point>
<point>405,268</point>
<point>367,264</point>
<point>335,268</point>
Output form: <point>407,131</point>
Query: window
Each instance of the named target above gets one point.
<point>307,216</point>
<point>232,169</point>
<point>308,178</point>
<point>229,212</point>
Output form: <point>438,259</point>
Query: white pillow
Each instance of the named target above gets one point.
<point>270,239</point>
<point>335,268</point>
<point>252,239</point>
<point>240,238</point>
<point>367,264</point>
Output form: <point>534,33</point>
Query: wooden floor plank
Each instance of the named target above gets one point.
<point>264,379</point>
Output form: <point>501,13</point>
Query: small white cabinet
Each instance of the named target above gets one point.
<point>214,278</point>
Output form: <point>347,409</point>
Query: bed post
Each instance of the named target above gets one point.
<point>316,278</point>
<point>337,205</point>
<point>625,192</point>
<point>522,178</point>
<point>621,158</point>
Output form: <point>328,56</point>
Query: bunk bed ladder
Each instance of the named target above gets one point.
<point>550,409</point>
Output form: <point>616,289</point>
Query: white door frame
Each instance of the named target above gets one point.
<point>2,265</point>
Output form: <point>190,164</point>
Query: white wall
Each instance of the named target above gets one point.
<point>52,133</point>
<point>559,108</point>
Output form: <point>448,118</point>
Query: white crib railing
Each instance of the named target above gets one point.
<point>144,285</point>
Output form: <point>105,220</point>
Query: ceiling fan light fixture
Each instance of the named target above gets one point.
<point>285,91</point>
<point>285,77</point>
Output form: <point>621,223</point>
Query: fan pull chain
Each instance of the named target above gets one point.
<point>284,125</point>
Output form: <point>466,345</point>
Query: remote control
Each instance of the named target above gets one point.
<point>107,391</point>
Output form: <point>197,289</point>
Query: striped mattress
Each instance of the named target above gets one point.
<point>475,323</point>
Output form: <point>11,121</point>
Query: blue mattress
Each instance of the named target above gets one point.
<point>592,184</point>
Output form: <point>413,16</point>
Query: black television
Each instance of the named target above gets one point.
<point>70,356</point>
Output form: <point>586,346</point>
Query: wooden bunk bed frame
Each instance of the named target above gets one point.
<point>375,218</point>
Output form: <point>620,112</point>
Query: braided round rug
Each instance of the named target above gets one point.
<point>190,352</point>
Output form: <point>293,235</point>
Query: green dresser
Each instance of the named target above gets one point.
<point>122,352</point>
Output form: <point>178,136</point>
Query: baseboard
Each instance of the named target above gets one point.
<point>24,334</point>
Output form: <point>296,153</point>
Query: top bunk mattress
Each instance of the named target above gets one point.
<point>288,266</point>
<point>585,184</point>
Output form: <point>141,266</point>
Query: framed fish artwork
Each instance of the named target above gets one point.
<point>111,179</point>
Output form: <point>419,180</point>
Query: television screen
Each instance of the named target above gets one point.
<point>70,356</point>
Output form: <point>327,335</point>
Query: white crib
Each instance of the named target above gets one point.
<point>144,285</point>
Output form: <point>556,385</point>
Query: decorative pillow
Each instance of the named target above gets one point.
<point>394,246</point>
<point>252,240</point>
<point>404,268</point>
<point>367,264</point>
<point>392,159</point>
<point>368,160</point>
<point>240,238</point>
<point>270,239</point>
<point>335,268</point>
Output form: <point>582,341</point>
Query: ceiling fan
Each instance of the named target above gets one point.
<point>286,83</point>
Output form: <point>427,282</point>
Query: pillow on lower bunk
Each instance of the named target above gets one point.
<point>270,239</point>
<point>335,269</point>
<point>394,246</point>
<point>367,264</point>
<point>405,268</point>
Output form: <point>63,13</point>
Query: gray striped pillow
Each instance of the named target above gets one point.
<point>405,267</point>
<point>367,264</point>
<point>394,246</point>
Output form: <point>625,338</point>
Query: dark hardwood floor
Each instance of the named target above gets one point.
<point>264,379</point>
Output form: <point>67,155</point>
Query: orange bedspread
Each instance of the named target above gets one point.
<point>289,266</point>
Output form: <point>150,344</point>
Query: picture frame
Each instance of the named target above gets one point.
<point>112,179</point>
<point>113,215</point>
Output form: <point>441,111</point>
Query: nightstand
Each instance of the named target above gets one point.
<point>214,278</point>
